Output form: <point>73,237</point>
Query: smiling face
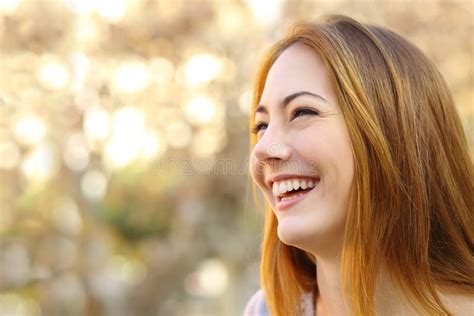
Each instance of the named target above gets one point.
<point>302,141</point>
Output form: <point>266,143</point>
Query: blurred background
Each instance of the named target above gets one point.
<point>124,141</point>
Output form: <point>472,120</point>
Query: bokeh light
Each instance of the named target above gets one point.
<point>40,163</point>
<point>124,145</point>
<point>128,139</point>
<point>81,65</point>
<point>30,129</point>
<point>111,11</point>
<point>202,68</point>
<point>53,74</point>
<point>266,12</point>
<point>96,126</point>
<point>201,110</point>
<point>130,77</point>
<point>210,280</point>
<point>94,184</point>
<point>9,7</point>
<point>153,145</point>
<point>76,152</point>
<point>245,102</point>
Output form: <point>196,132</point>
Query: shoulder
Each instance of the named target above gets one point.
<point>256,305</point>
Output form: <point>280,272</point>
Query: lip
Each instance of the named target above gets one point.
<point>284,205</point>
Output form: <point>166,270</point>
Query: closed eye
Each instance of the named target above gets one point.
<point>303,111</point>
<point>296,113</point>
<point>259,127</point>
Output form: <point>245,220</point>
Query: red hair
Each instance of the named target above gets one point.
<point>411,205</point>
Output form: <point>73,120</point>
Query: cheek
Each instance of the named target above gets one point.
<point>345,157</point>
<point>330,153</point>
<point>256,170</point>
<point>342,166</point>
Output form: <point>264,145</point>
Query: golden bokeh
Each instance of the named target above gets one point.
<point>123,145</point>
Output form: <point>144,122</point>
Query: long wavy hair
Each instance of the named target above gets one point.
<point>411,204</point>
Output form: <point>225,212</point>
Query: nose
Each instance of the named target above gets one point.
<point>272,146</point>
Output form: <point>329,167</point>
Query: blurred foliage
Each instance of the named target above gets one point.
<point>123,145</point>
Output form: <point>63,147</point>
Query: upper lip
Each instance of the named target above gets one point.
<point>285,176</point>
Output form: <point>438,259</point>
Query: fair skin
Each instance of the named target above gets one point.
<point>307,138</point>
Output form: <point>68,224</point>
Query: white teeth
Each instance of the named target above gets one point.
<point>296,184</point>
<point>280,187</point>
<point>304,185</point>
<point>289,185</point>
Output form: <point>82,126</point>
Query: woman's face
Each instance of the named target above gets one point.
<point>302,141</point>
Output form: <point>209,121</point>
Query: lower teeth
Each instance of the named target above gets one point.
<point>286,198</point>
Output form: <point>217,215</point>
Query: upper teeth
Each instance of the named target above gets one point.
<point>280,187</point>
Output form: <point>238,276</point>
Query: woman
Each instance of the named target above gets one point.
<point>364,165</point>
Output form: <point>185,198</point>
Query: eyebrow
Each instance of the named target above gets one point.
<point>261,108</point>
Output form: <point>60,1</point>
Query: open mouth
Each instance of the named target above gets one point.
<point>293,194</point>
<point>289,191</point>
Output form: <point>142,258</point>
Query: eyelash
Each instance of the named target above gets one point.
<point>305,111</point>
<point>257,128</point>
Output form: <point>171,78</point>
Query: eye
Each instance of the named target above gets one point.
<point>303,111</point>
<point>258,127</point>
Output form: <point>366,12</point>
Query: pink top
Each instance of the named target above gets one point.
<point>256,305</point>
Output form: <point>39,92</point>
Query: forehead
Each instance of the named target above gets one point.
<point>297,68</point>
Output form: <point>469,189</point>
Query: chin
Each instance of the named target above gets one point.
<point>310,237</point>
<point>292,233</point>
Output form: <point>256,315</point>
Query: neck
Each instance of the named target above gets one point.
<point>330,300</point>
<point>388,300</point>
